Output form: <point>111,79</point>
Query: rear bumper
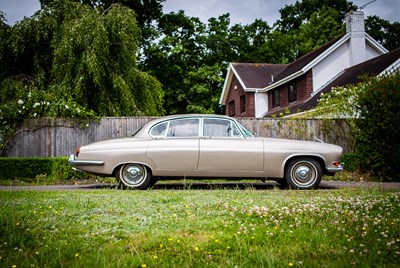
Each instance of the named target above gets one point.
<point>72,161</point>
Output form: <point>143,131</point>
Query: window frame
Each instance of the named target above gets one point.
<point>232,125</point>
<point>292,92</point>
<point>276,98</point>
<point>231,104</point>
<point>243,103</point>
<point>242,131</point>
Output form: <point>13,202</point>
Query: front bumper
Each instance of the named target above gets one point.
<point>74,162</point>
<point>339,168</point>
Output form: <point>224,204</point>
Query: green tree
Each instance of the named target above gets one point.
<point>74,61</point>
<point>179,50</point>
<point>371,109</point>
<point>378,143</point>
<point>323,26</point>
<point>386,33</point>
<point>293,16</point>
<point>4,47</point>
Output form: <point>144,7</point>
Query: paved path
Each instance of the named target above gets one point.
<point>325,185</point>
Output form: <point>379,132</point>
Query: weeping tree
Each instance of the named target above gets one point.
<point>71,60</point>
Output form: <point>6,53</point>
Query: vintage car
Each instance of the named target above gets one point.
<point>212,146</point>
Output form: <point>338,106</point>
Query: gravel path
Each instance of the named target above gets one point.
<point>325,185</point>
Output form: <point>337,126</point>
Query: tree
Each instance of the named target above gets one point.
<point>371,111</point>
<point>293,16</point>
<point>378,145</point>
<point>386,33</point>
<point>71,60</point>
<point>179,50</point>
<point>323,26</point>
<point>4,47</point>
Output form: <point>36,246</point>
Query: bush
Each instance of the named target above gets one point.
<point>377,142</point>
<point>53,169</point>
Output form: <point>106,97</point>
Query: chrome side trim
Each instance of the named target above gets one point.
<point>73,162</point>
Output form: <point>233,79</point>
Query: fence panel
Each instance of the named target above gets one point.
<point>48,137</point>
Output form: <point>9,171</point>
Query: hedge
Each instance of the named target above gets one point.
<point>55,168</point>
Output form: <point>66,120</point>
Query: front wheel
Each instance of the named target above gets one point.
<point>134,176</point>
<point>303,173</point>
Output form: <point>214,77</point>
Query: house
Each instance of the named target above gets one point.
<point>259,90</point>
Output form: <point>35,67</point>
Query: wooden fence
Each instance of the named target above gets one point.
<point>48,137</point>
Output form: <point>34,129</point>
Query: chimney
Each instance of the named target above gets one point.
<point>357,45</point>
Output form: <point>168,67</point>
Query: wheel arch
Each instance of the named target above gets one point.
<point>117,166</point>
<point>317,158</point>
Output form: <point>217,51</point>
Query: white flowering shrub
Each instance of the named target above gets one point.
<point>340,102</point>
<point>21,100</point>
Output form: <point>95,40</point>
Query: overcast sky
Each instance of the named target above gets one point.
<point>241,11</point>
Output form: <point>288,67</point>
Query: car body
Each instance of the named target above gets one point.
<point>204,146</point>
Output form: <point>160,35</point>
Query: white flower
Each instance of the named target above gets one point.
<point>20,102</point>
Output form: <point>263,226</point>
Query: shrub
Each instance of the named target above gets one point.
<point>377,141</point>
<point>52,169</point>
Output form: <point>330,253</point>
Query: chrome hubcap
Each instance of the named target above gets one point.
<point>133,174</point>
<point>303,173</point>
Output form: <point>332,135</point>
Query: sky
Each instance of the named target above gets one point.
<point>244,12</point>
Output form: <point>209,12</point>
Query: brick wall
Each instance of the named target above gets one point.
<point>304,90</point>
<point>235,93</point>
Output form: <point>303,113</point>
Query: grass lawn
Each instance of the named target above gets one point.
<point>200,228</point>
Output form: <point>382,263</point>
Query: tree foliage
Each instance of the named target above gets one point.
<point>75,61</point>
<point>378,143</point>
<point>295,15</point>
<point>386,33</point>
<point>372,112</point>
<point>95,45</point>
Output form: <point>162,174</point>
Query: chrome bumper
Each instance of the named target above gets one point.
<point>73,162</point>
<point>335,169</point>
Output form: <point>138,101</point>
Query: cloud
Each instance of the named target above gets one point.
<point>246,12</point>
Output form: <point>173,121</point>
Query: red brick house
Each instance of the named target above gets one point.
<point>259,90</point>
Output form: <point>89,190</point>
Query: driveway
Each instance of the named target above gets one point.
<point>325,185</point>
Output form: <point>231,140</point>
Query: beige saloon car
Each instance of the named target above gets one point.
<point>206,146</point>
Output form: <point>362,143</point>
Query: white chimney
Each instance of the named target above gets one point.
<point>355,26</point>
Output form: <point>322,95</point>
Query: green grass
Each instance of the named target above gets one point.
<point>200,228</point>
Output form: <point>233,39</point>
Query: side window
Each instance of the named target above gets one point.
<point>184,128</point>
<point>159,130</point>
<point>220,128</point>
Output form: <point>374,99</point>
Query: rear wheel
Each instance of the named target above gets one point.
<point>134,176</point>
<point>303,173</point>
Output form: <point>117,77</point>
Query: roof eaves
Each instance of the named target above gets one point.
<point>391,68</point>
<point>327,52</point>
<point>282,81</point>
<point>238,78</point>
<point>310,65</point>
<point>225,89</point>
<point>375,44</point>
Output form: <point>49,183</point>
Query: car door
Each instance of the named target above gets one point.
<point>175,145</point>
<point>223,148</point>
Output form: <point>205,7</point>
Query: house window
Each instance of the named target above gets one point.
<point>231,108</point>
<point>292,92</point>
<point>243,103</point>
<point>276,98</point>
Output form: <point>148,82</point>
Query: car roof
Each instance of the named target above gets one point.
<point>144,131</point>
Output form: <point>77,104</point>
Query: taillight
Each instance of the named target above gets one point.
<point>336,163</point>
<point>78,151</point>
